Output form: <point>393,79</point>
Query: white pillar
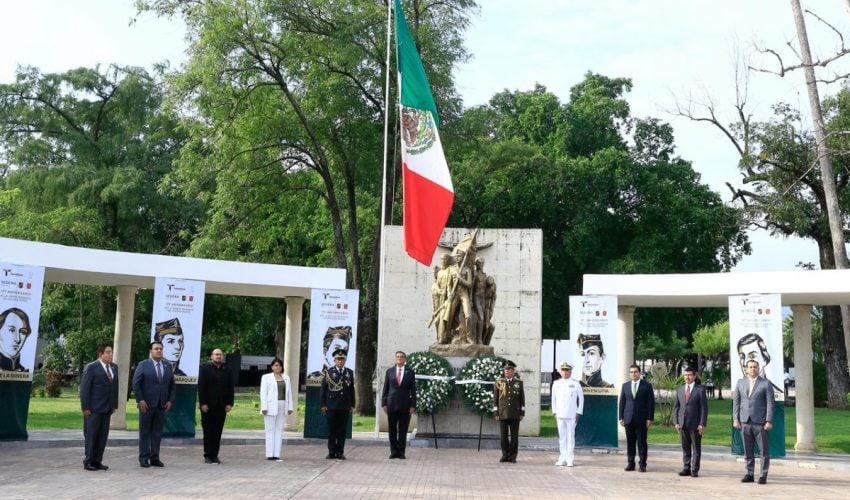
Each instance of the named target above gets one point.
<point>804,385</point>
<point>292,353</point>
<point>626,351</point>
<point>121,345</point>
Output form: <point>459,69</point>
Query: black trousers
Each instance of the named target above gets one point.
<point>510,444</point>
<point>398,422</point>
<point>691,449</point>
<point>151,423</point>
<point>636,435</point>
<point>95,432</point>
<point>337,421</point>
<point>212,422</point>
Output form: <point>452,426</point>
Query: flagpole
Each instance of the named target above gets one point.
<point>382,252</point>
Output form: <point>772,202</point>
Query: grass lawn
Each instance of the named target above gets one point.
<point>832,426</point>
<point>64,413</point>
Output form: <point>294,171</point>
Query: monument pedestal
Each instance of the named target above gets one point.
<point>456,422</point>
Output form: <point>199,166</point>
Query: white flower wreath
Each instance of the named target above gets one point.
<point>477,378</point>
<point>434,382</point>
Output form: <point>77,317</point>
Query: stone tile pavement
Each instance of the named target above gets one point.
<point>50,466</point>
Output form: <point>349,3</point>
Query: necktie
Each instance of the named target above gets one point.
<point>108,372</point>
<point>688,393</point>
<point>634,389</point>
<point>158,372</point>
<point>398,376</point>
<point>752,386</point>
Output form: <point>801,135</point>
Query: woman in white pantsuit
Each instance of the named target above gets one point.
<point>567,407</point>
<point>275,404</point>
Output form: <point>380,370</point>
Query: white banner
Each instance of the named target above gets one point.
<point>592,349</point>
<point>333,325</point>
<point>20,307</point>
<point>178,317</point>
<point>755,332</point>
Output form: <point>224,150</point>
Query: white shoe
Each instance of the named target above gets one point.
<point>569,465</point>
<point>560,463</point>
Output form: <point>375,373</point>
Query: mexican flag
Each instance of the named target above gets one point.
<point>428,191</point>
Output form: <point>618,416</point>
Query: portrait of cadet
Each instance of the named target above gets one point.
<point>690,416</point>
<point>509,397</point>
<point>752,347</point>
<point>170,333</point>
<point>592,357</point>
<point>337,399</point>
<point>98,401</point>
<point>14,331</point>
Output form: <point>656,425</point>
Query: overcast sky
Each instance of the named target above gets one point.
<point>667,47</point>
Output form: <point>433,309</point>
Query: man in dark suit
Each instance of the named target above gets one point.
<point>637,411</point>
<point>153,385</point>
<point>752,412</point>
<point>215,398</point>
<point>509,397</point>
<point>98,400</point>
<point>398,399</point>
<point>690,416</point>
<point>337,402</point>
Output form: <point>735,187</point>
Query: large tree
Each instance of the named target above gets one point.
<point>284,104</point>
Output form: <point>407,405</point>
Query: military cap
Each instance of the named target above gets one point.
<point>566,366</point>
<point>168,327</point>
<point>586,341</point>
<point>509,364</point>
<point>340,354</point>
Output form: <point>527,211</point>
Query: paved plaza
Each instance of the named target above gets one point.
<point>50,466</point>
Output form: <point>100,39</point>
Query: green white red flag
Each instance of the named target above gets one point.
<point>428,191</point>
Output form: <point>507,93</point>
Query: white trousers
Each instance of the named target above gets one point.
<point>566,439</point>
<point>274,430</point>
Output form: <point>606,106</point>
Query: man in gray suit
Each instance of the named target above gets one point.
<point>752,412</point>
<point>690,415</point>
<point>98,400</point>
<point>153,384</point>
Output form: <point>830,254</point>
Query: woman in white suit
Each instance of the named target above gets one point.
<point>275,404</point>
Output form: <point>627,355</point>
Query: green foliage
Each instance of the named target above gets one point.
<point>712,341</point>
<point>665,383</point>
<point>669,350</point>
<point>56,363</point>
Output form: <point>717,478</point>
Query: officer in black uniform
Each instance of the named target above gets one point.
<point>337,402</point>
<point>509,397</point>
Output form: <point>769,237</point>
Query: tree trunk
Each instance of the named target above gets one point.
<point>367,332</point>
<point>834,350</point>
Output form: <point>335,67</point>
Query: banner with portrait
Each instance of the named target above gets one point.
<point>333,326</point>
<point>592,350</point>
<point>755,333</point>
<point>20,308</point>
<point>177,322</point>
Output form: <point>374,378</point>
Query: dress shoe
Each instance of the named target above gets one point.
<point>569,464</point>
<point>762,480</point>
<point>208,460</point>
<point>393,455</point>
<point>401,456</point>
<point>685,472</point>
<point>101,467</point>
<point>512,460</point>
<point>642,468</point>
<point>144,463</point>
<point>89,467</point>
<point>629,468</point>
<point>747,479</point>
<point>330,456</point>
<point>694,473</point>
<point>157,463</point>
<point>217,461</point>
<point>340,456</point>
<point>503,460</point>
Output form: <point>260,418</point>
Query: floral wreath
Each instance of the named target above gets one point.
<point>434,382</point>
<point>476,380</point>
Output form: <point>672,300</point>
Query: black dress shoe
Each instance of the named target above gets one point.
<point>694,474</point>
<point>747,479</point>
<point>157,463</point>
<point>512,460</point>
<point>401,456</point>
<point>330,456</point>
<point>216,460</point>
<point>101,467</point>
<point>393,455</point>
<point>642,468</point>
<point>340,456</point>
<point>503,459</point>
<point>762,480</point>
<point>685,472</point>
<point>629,468</point>
<point>144,463</point>
<point>208,460</point>
<point>89,467</point>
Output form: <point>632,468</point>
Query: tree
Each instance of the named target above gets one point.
<point>712,341</point>
<point>284,106</point>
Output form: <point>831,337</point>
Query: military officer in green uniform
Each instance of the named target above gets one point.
<point>509,397</point>
<point>337,402</point>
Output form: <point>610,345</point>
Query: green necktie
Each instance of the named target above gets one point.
<point>634,390</point>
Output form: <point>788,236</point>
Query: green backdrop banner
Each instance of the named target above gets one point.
<point>14,407</point>
<point>598,424</point>
<point>775,438</point>
<point>180,420</point>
